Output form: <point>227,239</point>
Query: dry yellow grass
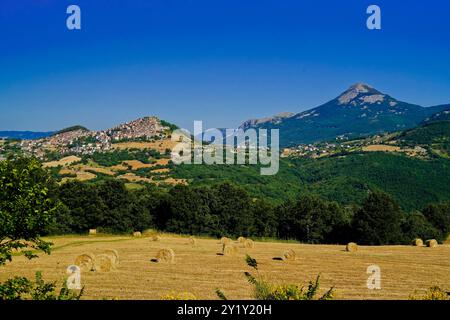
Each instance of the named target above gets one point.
<point>160,145</point>
<point>381,147</point>
<point>173,181</point>
<point>161,162</point>
<point>119,167</point>
<point>80,175</point>
<point>133,178</point>
<point>192,241</point>
<point>104,170</point>
<point>200,270</point>
<point>163,170</point>
<point>63,162</point>
<point>136,164</point>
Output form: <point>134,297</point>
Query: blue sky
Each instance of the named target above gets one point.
<point>213,60</point>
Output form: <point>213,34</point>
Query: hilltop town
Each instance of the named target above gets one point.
<point>84,142</point>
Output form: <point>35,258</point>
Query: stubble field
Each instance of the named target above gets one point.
<point>200,269</point>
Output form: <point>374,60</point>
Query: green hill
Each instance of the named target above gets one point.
<point>72,128</point>
<point>432,135</point>
<point>346,179</point>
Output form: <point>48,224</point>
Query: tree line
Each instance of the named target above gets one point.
<point>228,210</point>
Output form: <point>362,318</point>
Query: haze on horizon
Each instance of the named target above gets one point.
<point>222,62</point>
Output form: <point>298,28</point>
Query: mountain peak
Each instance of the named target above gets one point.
<point>368,94</point>
<point>360,88</point>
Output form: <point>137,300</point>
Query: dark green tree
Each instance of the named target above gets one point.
<point>190,211</point>
<point>379,220</point>
<point>84,205</point>
<point>310,219</point>
<point>416,225</point>
<point>265,219</point>
<point>26,207</point>
<point>233,210</point>
<point>439,216</point>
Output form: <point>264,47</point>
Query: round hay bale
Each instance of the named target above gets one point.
<point>229,250</point>
<point>165,255</point>
<point>156,238</point>
<point>432,243</point>
<point>289,255</point>
<point>417,242</point>
<point>192,241</point>
<point>241,239</point>
<point>225,240</point>
<point>92,232</point>
<point>104,262</point>
<point>85,262</point>
<point>114,255</point>
<point>351,247</point>
<point>137,234</point>
<point>249,244</point>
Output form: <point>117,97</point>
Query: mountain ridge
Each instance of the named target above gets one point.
<point>359,110</point>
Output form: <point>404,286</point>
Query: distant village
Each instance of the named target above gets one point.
<point>85,142</point>
<point>382,143</point>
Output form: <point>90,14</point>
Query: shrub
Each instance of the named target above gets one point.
<point>264,290</point>
<point>21,288</point>
<point>179,296</point>
<point>433,293</point>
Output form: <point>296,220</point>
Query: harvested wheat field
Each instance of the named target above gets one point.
<point>159,145</point>
<point>200,269</point>
<point>80,175</point>
<point>63,162</point>
<point>133,178</point>
<point>381,147</point>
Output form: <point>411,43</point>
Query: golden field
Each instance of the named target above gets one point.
<point>159,145</point>
<point>63,162</point>
<point>381,147</point>
<point>200,269</point>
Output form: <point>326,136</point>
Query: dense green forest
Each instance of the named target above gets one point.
<point>347,179</point>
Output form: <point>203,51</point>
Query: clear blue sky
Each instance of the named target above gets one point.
<point>221,61</point>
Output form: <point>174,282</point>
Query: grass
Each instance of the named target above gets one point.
<point>200,270</point>
<point>63,162</point>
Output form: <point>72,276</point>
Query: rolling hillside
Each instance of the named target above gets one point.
<point>347,179</point>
